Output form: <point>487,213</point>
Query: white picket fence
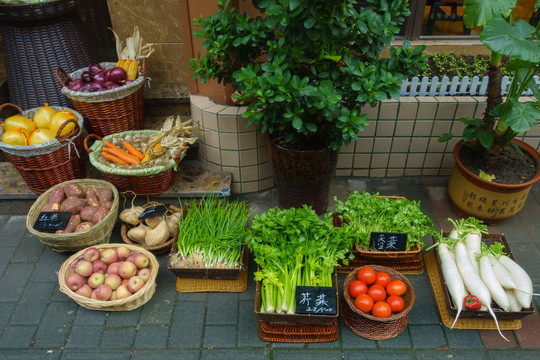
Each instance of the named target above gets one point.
<point>447,87</point>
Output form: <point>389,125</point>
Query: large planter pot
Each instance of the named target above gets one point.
<point>303,177</point>
<point>488,201</point>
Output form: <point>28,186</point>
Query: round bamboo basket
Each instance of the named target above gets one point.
<point>156,250</point>
<point>97,234</point>
<point>371,327</point>
<point>132,302</point>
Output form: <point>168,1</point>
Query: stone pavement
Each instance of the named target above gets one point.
<point>37,321</point>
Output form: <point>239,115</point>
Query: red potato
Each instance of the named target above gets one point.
<point>88,212</point>
<point>73,204</point>
<point>72,224</point>
<point>83,226</point>
<point>74,190</point>
<point>91,197</point>
<point>104,194</point>
<point>107,204</point>
<point>100,214</point>
<point>57,196</point>
<point>51,207</point>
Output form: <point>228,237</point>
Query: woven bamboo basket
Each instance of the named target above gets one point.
<point>132,302</point>
<point>293,333</point>
<point>156,250</point>
<point>150,181</point>
<point>111,111</point>
<point>97,234</point>
<point>371,327</point>
<point>488,239</point>
<point>47,164</point>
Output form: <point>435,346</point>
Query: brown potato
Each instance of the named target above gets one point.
<point>91,197</point>
<point>74,190</point>
<point>83,226</point>
<point>57,196</point>
<point>72,224</point>
<point>88,212</point>
<point>100,214</point>
<point>73,204</point>
<point>104,194</point>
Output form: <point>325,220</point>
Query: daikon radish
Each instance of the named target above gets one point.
<point>452,278</point>
<point>512,300</point>
<point>490,280</point>
<point>524,288</point>
<point>504,277</point>
<point>472,281</point>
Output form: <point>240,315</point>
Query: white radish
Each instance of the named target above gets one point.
<point>512,300</point>
<point>473,240</point>
<point>524,288</point>
<point>473,282</point>
<point>490,280</point>
<point>452,278</point>
<point>502,274</point>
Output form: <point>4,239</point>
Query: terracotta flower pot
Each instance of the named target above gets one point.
<point>491,202</point>
<point>303,177</point>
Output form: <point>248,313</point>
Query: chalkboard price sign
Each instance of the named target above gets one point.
<point>382,241</point>
<point>316,300</point>
<point>154,211</point>
<point>52,220</point>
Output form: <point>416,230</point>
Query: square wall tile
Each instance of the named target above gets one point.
<point>248,141</point>
<point>430,172</point>
<point>266,184</point>
<point>266,170</point>
<point>389,110</point>
<point>249,173</point>
<point>372,112</point>
<point>447,108</point>
<point>395,172</point>
<point>361,161</point>
<point>369,130</point>
<point>250,187</point>
<point>344,172</point>
<point>348,148</point>
<point>408,110</point>
<point>466,106</point>
<point>415,160</point>
<point>229,110</point>
<point>448,160</point>
<point>227,123</point>
<point>382,145</point>
<point>364,145</point>
<point>418,145</point>
<point>427,107</point>
<point>211,138</point>
<point>397,161</point>
<point>441,127</point>
<point>214,166</point>
<point>413,172</point>
<point>436,146</point>
<point>229,141</point>
<point>344,161</point>
<point>377,173</point>
<point>385,128</point>
<point>230,158</point>
<point>423,127</point>
<point>379,160</point>
<point>213,155</point>
<point>196,114</point>
<point>433,160</point>
<point>401,144</point>
<point>242,124</point>
<point>404,128</point>
<point>235,172</point>
<point>209,121</point>
<point>248,157</point>
<point>264,154</point>
<point>360,173</point>
<point>480,106</point>
<point>236,187</point>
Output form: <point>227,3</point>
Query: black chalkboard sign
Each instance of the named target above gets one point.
<point>154,211</point>
<point>52,220</point>
<point>316,300</point>
<point>382,241</point>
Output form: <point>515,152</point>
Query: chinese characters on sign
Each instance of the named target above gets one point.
<point>315,300</point>
<point>381,241</point>
<point>492,207</point>
<point>52,220</point>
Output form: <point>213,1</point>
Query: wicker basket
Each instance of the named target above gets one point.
<point>156,250</point>
<point>150,181</point>
<point>293,333</point>
<point>488,239</point>
<point>47,164</point>
<point>367,325</point>
<point>97,234</point>
<point>111,111</point>
<point>132,302</point>
<point>299,319</point>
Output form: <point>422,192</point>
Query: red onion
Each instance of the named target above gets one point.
<point>100,77</point>
<point>94,68</point>
<point>86,89</point>
<point>75,85</point>
<point>107,72</point>
<point>87,77</point>
<point>117,75</point>
<point>97,86</point>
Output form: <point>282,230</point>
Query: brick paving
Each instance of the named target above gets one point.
<point>37,321</point>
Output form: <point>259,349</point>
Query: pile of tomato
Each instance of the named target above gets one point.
<point>375,292</point>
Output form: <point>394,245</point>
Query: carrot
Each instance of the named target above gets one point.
<point>110,145</point>
<point>133,151</point>
<point>112,158</point>
<point>130,159</point>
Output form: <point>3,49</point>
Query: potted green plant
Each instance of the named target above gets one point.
<point>307,68</point>
<point>476,186</point>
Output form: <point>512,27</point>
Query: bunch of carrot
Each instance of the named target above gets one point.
<point>113,153</point>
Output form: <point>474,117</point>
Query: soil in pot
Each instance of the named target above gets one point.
<point>512,168</point>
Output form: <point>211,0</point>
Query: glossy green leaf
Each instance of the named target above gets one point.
<point>478,12</point>
<point>503,38</point>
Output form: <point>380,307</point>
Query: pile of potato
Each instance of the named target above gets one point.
<point>87,206</point>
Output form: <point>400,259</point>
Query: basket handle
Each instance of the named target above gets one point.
<point>6,105</point>
<point>62,76</point>
<point>90,136</point>
<point>64,125</point>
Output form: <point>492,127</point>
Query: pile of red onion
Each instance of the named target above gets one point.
<point>96,78</point>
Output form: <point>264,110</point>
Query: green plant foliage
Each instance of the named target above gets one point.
<point>314,65</point>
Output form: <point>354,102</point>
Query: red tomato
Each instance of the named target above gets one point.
<point>382,279</point>
<point>356,288</point>
<point>363,303</point>
<point>377,292</point>
<point>367,275</point>
<point>381,310</point>
<point>396,287</point>
<point>396,303</point>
